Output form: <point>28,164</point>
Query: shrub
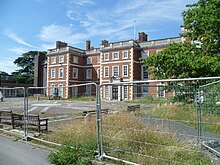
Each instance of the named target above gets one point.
<point>78,154</point>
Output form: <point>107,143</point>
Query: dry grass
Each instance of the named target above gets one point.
<point>186,113</point>
<point>126,137</point>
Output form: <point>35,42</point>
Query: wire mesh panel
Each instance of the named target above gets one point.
<point>67,114</point>
<point>209,115</point>
<point>151,123</point>
<point>12,108</point>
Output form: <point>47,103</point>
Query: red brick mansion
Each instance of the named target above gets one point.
<point>111,62</point>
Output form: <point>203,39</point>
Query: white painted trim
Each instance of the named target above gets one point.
<point>113,70</point>
<point>104,71</point>
<point>51,73</point>
<point>62,73</point>
<point>60,60</point>
<point>77,72</point>
<point>104,59</point>
<point>116,62</point>
<point>123,71</point>
<point>67,75</point>
<point>113,56</point>
<point>57,81</point>
<point>58,65</point>
<point>87,75</point>
<point>123,55</point>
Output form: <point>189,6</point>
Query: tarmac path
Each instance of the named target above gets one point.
<point>20,153</point>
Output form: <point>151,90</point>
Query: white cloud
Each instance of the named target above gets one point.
<point>7,65</point>
<point>15,38</point>
<point>18,50</point>
<point>44,47</point>
<point>81,2</point>
<point>53,32</point>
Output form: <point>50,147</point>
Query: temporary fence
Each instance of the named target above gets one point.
<point>12,106</point>
<point>156,122</point>
<point>147,122</point>
<point>208,116</point>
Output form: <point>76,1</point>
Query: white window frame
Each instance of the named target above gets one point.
<point>61,74</point>
<point>53,60</point>
<point>75,59</point>
<point>145,54</point>
<point>75,72</point>
<point>74,91</point>
<point>143,71</point>
<point>106,55</point>
<point>144,93</point>
<point>89,60</point>
<point>53,72</point>
<point>123,55</point>
<point>113,72</point>
<point>113,55</point>
<point>88,76</point>
<point>88,90</point>
<point>52,89</point>
<point>106,67</point>
<point>98,59</point>
<point>126,92</point>
<point>106,92</point>
<point>158,90</point>
<point>61,59</point>
<point>98,73</point>
<point>123,71</point>
<point>60,90</point>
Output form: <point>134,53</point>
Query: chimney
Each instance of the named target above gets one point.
<point>142,37</point>
<point>60,44</point>
<point>105,43</point>
<point>88,44</point>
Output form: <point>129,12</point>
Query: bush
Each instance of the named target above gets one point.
<point>79,154</point>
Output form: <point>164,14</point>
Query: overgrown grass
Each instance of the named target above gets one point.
<point>126,137</point>
<point>83,98</point>
<point>152,100</point>
<point>186,113</point>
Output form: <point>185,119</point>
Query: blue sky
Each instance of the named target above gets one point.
<point>36,24</point>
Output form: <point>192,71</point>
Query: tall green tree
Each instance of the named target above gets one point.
<point>202,21</point>
<point>25,75</point>
<point>184,60</point>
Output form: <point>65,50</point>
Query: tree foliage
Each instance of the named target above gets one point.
<point>184,60</point>
<point>25,75</point>
<point>4,73</point>
<point>202,21</point>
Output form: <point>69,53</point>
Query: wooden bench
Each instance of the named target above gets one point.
<point>133,107</point>
<point>5,116</point>
<point>33,120</point>
<point>93,112</point>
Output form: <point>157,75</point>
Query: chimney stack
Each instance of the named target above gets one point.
<point>88,42</point>
<point>60,44</point>
<point>142,37</point>
<point>105,43</point>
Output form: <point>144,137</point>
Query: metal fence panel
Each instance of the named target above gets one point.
<point>163,131</point>
<point>12,109</point>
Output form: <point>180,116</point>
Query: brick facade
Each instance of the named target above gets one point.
<point>112,62</point>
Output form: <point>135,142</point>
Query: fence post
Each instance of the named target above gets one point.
<point>25,114</point>
<point>99,123</point>
<point>198,116</point>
